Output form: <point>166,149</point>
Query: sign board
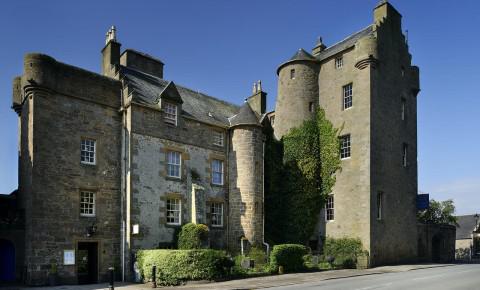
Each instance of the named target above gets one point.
<point>69,257</point>
<point>423,201</point>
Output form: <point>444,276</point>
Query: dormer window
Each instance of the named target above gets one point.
<point>170,111</point>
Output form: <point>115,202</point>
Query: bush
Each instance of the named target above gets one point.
<point>344,250</point>
<point>290,256</point>
<point>193,236</point>
<point>177,266</point>
<point>259,256</point>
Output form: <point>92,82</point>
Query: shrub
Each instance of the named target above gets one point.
<point>177,266</point>
<point>259,256</point>
<point>193,236</point>
<point>344,250</point>
<point>290,256</point>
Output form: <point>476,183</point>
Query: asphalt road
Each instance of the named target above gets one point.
<point>453,277</point>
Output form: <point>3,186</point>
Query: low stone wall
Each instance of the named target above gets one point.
<point>436,243</point>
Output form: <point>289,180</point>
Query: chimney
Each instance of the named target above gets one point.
<point>110,53</point>
<point>319,47</point>
<point>258,99</point>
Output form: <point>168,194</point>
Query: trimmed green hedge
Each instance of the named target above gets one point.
<point>193,236</point>
<point>290,256</point>
<point>344,250</point>
<point>177,266</point>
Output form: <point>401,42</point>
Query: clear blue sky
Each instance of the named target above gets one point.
<point>221,47</point>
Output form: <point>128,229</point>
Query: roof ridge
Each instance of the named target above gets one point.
<point>347,38</point>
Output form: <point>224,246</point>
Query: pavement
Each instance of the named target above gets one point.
<point>285,281</point>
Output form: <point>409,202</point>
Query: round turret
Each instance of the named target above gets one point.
<point>297,92</point>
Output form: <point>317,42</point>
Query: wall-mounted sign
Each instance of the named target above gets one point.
<point>69,257</point>
<point>136,229</point>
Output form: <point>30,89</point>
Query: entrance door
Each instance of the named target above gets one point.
<point>87,262</point>
<point>7,261</point>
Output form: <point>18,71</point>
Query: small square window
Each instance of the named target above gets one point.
<point>330,209</point>
<point>344,146</point>
<point>170,111</point>
<point>87,151</point>
<point>347,96</point>
<point>174,164</point>
<point>218,138</point>
<point>87,203</point>
<point>292,74</point>
<point>216,211</point>
<point>174,211</point>
<point>339,62</point>
<point>217,172</point>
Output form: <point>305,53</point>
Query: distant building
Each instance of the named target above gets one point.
<point>467,244</point>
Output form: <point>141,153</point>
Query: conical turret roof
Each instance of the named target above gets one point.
<point>301,54</point>
<point>245,116</point>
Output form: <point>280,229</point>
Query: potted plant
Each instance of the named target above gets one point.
<point>53,273</point>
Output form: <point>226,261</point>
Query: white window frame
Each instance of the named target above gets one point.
<point>171,112</point>
<point>379,205</point>
<point>347,96</point>
<point>330,208</point>
<point>216,213</point>
<point>218,138</point>
<point>174,162</point>
<point>174,206</point>
<point>339,62</point>
<point>217,170</point>
<point>88,147</point>
<point>345,146</point>
<point>87,203</point>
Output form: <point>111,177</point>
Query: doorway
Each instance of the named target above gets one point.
<point>437,248</point>
<point>7,261</point>
<point>87,262</point>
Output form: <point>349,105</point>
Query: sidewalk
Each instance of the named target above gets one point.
<point>252,283</point>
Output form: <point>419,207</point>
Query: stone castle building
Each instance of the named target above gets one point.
<point>114,162</point>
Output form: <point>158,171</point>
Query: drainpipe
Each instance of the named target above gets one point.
<point>123,182</point>
<point>263,201</point>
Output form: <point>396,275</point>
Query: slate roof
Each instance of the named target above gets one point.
<point>344,44</point>
<point>466,224</point>
<point>148,88</point>
<point>246,116</point>
<point>301,54</point>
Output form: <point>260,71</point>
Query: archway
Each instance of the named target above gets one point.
<point>7,261</point>
<point>436,248</point>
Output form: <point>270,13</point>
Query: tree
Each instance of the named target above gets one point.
<point>298,184</point>
<point>439,212</point>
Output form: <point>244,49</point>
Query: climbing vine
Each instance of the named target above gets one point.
<point>300,173</point>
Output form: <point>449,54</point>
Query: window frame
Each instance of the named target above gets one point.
<point>216,214</point>
<point>168,115</point>
<point>405,155</point>
<point>347,96</point>
<point>169,164</point>
<point>292,74</point>
<point>178,209</point>
<point>91,205</point>
<point>218,136</point>
<point>222,172</point>
<point>345,146</point>
<point>380,205</point>
<point>330,208</point>
<point>404,109</point>
<point>94,162</point>
<point>339,62</point>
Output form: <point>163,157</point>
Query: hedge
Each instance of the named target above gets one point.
<point>177,266</point>
<point>344,250</point>
<point>290,256</point>
<point>193,236</point>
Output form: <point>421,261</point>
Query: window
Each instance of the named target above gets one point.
<point>217,138</point>
<point>174,162</point>
<point>216,210</point>
<point>174,210</point>
<point>329,209</point>
<point>404,155</point>
<point>292,74</point>
<point>379,205</point>
<point>272,121</point>
<point>339,62</point>
<point>170,113</point>
<point>217,172</point>
<point>311,107</point>
<point>403,71</point>
<point>87,151</point>
<point>87,203</point>
<point>404,102</point>
<point>344,146</point>
<point>347,96</point>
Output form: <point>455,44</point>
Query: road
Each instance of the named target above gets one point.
<point>454,277</point>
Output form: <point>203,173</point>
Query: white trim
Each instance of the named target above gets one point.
<point>88,151</point>
<point>94,203</point>
<point>222,171</point>
<point>174,164</point>
<point>179,210</point>
<point>221,214</point>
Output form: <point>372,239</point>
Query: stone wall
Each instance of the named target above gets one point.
<point>436,243</point>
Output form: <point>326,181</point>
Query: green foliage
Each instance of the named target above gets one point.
<point>290,256</point>
<point>258,255</point>
<point>344,250</point>
<point>299,174</point>
<point>193,236</point>
<point>177,266</point>
<point>439,212</point>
